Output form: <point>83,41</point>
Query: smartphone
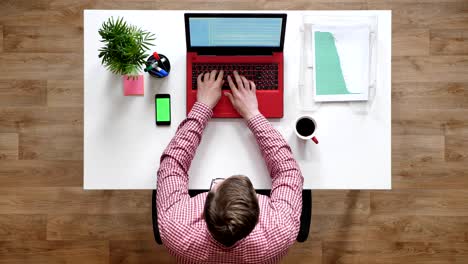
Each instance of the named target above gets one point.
<point>162,104</point>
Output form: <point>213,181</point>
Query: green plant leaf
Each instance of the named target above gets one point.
<point>124,46</point>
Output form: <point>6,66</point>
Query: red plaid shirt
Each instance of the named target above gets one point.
<point>180,218</point>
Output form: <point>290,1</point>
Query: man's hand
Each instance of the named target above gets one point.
<point>209,88</point>
<point>243,96</point>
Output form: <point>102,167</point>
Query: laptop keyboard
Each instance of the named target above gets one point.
<point>264,75</point>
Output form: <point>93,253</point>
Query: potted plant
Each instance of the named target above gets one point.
<point>124,52</point>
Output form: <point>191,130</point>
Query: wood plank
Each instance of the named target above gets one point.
<point>344,252</point>
<point>42,66</point>
<point>394,252</point>
<point>140,251</point>
<point>429,175</point>
<point>456,148</point>
<point>100,227</point>
<point>73,200</point>
<point>21,67</point>
<point>59,121</point>
<point>139,4</point>
<point>383,252</point>
<point>22,93</point>
<point>68,16</point>
<point>65,93</point>
<point>410,42</point>
<point>64,12</point>
<point>406,126</point>
<point>418,228</point>
<point>457,125</point>
<point>54,252</point>
<point>42,120</point>
<point>417,149</point>
<point>41,173</point>
<point>23,12</point>
<point>430,68</point>
<point>50,147</point>
<point>406,120</point>
<point>21,119</point>
<point>264,5</point>
<point>40,39</point>
<point>8,146</point>
<point>349,227</point>
<point>65,5</point>
<point>409,121</point>
<point>70,13</point>
<point>423,95</point>
<point>420,202</point>
<point>22,5</point>
<point>26,39</point>
<point>331,202</point>
<point>65,66</point>
<point>410,69</point>
<point>449,42</point>
<point>61,5</point>
<point>312,5</point>
<point>436,15</point>
<point>22,227</point>
<point>29,17</point>
<point>72,5</point>
<point>402,3</point>
<point>309,252</point>
<point>1,38</point>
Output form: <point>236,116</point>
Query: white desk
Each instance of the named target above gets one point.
<point>122,145</point>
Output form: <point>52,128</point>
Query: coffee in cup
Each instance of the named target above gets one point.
<point>305,128</point>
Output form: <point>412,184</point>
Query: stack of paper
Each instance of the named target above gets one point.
<point>341,62</point>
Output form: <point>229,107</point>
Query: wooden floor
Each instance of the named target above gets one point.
<point>46,217</point>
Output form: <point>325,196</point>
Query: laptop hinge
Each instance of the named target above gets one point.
<point>237,53</point>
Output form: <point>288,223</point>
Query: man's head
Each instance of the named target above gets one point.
<point>231,210</point>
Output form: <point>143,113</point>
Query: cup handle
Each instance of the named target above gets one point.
<point>315,140</point>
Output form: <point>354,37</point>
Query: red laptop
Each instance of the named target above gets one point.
<point>250,43</point>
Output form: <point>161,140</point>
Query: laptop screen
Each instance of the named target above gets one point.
<point>235,31</point>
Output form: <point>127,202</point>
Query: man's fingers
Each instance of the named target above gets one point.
<point>252,86</point>
<point>220,76</point>
<point>206,77</point>
<point>232,85</point>
<point>199,79</point>
<point>240,85</point>
<point>213,75</point>
<point>229,95</point>
<point>246,83</point>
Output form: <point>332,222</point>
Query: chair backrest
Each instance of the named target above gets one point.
<point>306,213</point>
<point>154,215</point>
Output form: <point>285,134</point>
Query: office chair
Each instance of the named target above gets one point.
<point>306,213</point>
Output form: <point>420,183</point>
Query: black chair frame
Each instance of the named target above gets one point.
<point>306,213</point>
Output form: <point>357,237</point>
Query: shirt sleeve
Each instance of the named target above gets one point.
<point>287,180</point>
<point>172,182</point>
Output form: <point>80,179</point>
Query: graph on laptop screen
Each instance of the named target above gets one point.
<point>235,32</point>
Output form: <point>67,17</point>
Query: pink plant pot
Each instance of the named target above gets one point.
<point>133,85</point>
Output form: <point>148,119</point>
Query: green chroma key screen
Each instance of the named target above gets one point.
<point>163,109</point>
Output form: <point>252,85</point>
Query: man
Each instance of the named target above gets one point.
<point>230,223</point>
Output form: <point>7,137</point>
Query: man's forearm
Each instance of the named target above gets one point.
<point>172,182</point>
<point>275,149</point>
<point>287,180</point>
<point>188,136</point>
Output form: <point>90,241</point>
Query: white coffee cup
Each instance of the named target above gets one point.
<point>306,128</point>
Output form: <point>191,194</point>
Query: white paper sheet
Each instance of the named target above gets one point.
<point>352,44</point>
